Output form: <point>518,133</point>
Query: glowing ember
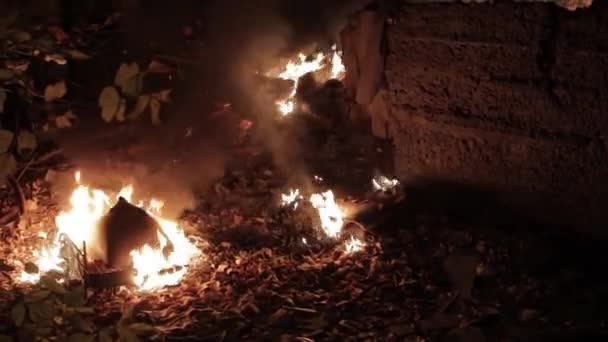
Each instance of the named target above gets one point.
<point>79,225</point>
<point>331,215</point>
<point>291,198</point>
<point>337,67</point>
<point>353,245</point>
<point>383,183</point>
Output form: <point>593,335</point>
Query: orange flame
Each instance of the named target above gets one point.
<point>80,223</point>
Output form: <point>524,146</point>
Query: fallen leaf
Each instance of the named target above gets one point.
<point>126,72</point>
<point>2,99</point>
<point>140,106</point>
<point>8,165</point>
<point>26,142</point>
<point>105,336</point>
<point>65,120</point>
<point>164,95</point>
<point>461,270</point>
<point>155,111</point>
<point>58,33</point>
<point>120,115</point>
<point>31,268</point>
<point>4,267</point>
<point>41,311</point>
<point>52,285</point>
<point>80,337</point>
<point>37,296</point>
<point>55,91</point>
<point>401,329</point>
<point>56,58</point>
<point>109,102</point>
<point>20,36</point>
<point>6,338</point>
<point>468,334</point>
<point>127,335</point>
<point>158,67</point>
<point>74,297</point>
<point>81,324</point>
<point>6,139</point>
<point>134,86</point>
<point>142,329</point>
<point>440,321</point>
<point>528,314</point>
<point>77,55</point>
<point>6,74</point>
<point>18,314</point>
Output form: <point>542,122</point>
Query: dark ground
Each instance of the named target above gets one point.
<point>434,269</point>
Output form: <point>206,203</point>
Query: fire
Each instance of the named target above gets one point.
<point>331,215</point>
<point>353,245</point>
<point>296,69</point>
<point>337,67</point>
<point>291,198</point>
<point>293,71</point>
<point>384,184</point>
<point>79,225</point>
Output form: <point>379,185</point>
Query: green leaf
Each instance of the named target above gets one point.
<point>77,55</point>
<point>155,111</point>
<point>26,142</point>
<point>37,296</point>
<point>6,140</point>
<point>18,314</point>
<point>140,107</point>
<point>65,120</point>
<point>2,99</point>
<point>81,324</point>
<point>8,165</point>
<point>74,297</point>
<point>105,336</point>
<point>109,101</point>
<point>42,311</point>
<point>80,337</point>
<point>6,75</point>
<point>55,91</point>
<point>52,285</point>
<point>31,268</point>
<point>125,73</point>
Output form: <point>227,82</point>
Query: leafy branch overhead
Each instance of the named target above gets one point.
<point>129,91</point>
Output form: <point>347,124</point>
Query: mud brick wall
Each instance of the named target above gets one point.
<point>508,97</point>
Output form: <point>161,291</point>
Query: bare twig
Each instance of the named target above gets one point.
<point>20,196</point>
<point>29,163</point>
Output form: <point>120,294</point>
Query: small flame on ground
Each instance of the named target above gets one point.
<point>338,70</point>
<point>79,224</point>
<point>291,198</point>
<point>353,245</point>
<point>296,69</point>
<point>383,183</point>
<point>331,215</point>
<point>293,71</point>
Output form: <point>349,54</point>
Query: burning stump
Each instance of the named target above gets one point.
<point>125,228</point>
